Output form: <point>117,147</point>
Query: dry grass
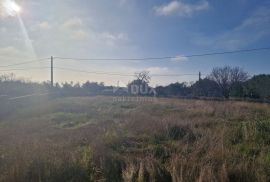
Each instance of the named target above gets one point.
<point>96,139</point>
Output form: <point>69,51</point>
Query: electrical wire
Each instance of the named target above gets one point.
<point>120,74</point>
<point>172,75</point>
<point>95,72</point>
<point>27,62</point>
<point>92,72</point>
<point>166,57</point>
<point>26,69</point>
<point>126,59</point>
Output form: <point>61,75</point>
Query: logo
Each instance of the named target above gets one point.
<point>135,92</point>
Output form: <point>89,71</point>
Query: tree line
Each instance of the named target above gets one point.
<point>222,82</point>
<point>225,82</point>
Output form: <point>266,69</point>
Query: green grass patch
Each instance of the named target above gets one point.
<point>70,120</point>
<point>263,132</point>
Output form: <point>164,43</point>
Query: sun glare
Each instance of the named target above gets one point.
<point>12,8</point>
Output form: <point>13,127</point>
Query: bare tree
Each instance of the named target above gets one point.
<point>140,86</point>
<point>7,77</point>
<point>226,77</point>
<point>143,76</point>
<point>238,75</point>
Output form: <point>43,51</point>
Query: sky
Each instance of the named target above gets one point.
<point>132,29</point>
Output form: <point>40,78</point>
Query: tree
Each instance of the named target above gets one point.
<point>174,89</point>
<point>93,88</point>
<point>140,86</point>
<point>143,76</point>
<point>206,88</point>
<point>258,87</point>
<point>7,77</point>
<point>238,75</point>
<point>227,77</point>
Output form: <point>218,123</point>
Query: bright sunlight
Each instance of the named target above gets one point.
<point>11,8</point>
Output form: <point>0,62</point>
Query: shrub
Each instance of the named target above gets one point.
<point>181,132</point>
<point>263,132</point>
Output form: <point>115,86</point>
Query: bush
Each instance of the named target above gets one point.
<point>263,132</point>
<point>181,132</point>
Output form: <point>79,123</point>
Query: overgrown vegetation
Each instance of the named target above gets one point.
<point>224,82</point>
<point>97,139</point>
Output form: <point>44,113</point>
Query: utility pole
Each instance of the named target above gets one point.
<point>200,76</point>
<point>51,71</point>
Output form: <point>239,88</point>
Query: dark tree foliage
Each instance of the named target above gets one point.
<point>228,77</point>
<point>143,76</point>
<point>10,86</point>
<point>174,89</point>
<point>140,86</point>
<point>222,82</point>
<point>258,87</point>
<point>206,88</point>
<point>93,88</point>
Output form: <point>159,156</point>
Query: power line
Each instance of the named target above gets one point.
<point>27,62</point>
<point>93,72</point>
<point>113,59</point>
<point>140,59</point>
<point>120,74</point>
<point>166,57</point>
<point>99,73</point>
<point>168,75</point>
<point>25,69</point>
<point>229,52</point>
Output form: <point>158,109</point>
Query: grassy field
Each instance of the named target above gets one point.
<point>97,139</point>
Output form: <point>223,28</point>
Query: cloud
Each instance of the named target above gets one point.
<point>180,8</point>
<point>41,26</point>
<point>11,52</point>
<point>79,35</point>
<point>74,27</point>
<point>158,70</point>
<point>252,29</point>
<point>3,10</point>
<point>77,30</point>
<point>179,58</point>
<point>114,37</point>
<point>44,25</point>
<point>111,39</point>
<point>73,23</point>
<point>3,30</point>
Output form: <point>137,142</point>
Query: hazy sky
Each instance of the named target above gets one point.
<point>134,29</point>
